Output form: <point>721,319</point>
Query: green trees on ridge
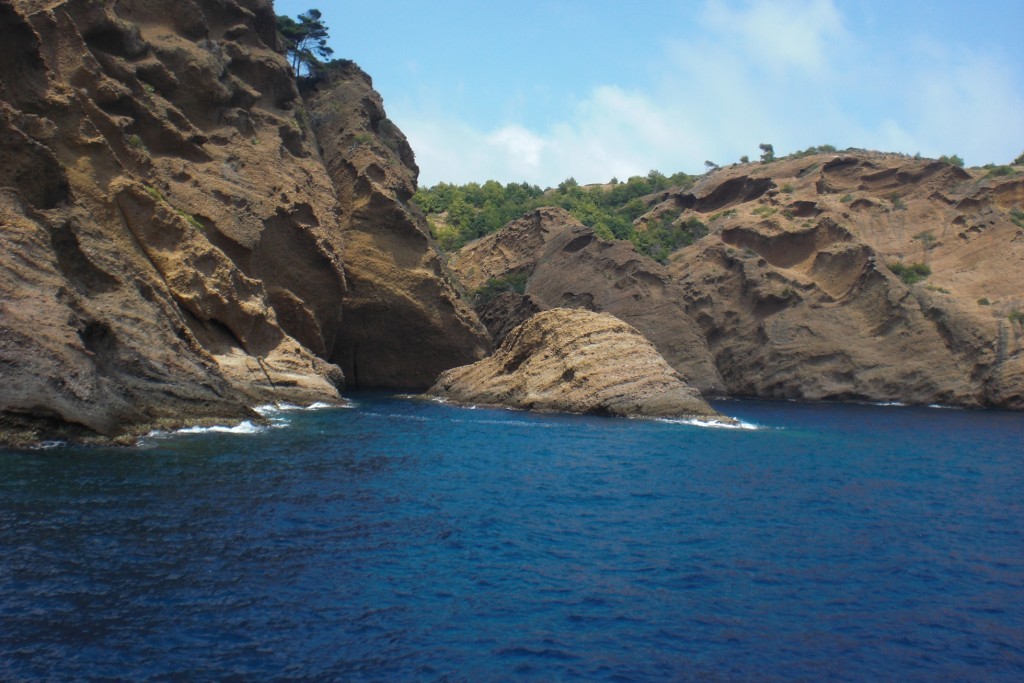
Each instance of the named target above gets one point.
<point>305,41</point>
<point>458,214</point>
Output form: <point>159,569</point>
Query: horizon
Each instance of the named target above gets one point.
<point>593,91</point>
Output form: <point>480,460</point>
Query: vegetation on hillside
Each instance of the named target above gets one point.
<point>305,41</point>
<point>458,214</point>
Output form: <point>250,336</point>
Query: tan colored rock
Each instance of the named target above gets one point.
<point>568,266</point>
<point>404,320</point>
<point>794,292</point>
<point>576,361</point>
<point>171,249</point>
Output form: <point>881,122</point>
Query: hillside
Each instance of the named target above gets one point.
<point>837,276</point>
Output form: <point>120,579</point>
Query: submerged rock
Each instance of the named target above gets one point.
<point>576,361</point>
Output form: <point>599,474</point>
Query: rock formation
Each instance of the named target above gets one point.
<point>567,265</point>
<point>404,323</point>
<point>575,361</point>
<point>173,245</point>
<point>795,292</point>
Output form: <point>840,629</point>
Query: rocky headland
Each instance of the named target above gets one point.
<point>576,361</point>
<point>185,236</point>
<point>851,276</point>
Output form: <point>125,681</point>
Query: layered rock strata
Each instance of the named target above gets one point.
<point>576,361</point>
<point>565,265</point>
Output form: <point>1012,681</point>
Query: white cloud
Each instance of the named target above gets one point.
<point>778,34</point>
<point>521,147</point>
<point>790,73</point>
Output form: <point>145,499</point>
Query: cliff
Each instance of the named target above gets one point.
<point>576,361</point>
<point>176,243</point>
<point>404,321</point>
<point>565,265</point>
<point>810,282</point>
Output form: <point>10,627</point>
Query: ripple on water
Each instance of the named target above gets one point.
<point>406,540</point>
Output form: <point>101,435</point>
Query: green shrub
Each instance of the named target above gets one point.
<point>787,188</point>
<point>764,211</point>
<point>1016,317</point>
<point>154,193</point>
<point>136,142</point>
<point>1000,171</point>
<point>190,219</point>
<point>513,282</point>
<point>910,273</point>
<point>1017,216</point>
<point>952,159</point>
<point>846,198</point>
<point>983,301</point>
<point>927,238</point>
<point>819,149</point>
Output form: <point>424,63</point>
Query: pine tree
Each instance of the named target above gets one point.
<point>305,41</point>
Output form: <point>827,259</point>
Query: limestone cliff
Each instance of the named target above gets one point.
<point>576,361</point>
<point>173,247</point>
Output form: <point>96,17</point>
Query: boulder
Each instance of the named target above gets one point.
<point>576,361</point>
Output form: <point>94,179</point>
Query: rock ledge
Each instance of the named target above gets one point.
<point>576,361</point>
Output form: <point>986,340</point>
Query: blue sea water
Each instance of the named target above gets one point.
<point>407,540</point>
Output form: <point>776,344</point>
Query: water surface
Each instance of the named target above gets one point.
<point>411,540</point>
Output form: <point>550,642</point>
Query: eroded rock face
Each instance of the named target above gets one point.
<point>405,322</point>
<point>170,241</point>
<point>174,249</point>
<point>796,293</point>
<point>568,266</point>
<point>576,361</point>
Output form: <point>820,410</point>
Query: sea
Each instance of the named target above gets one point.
<point>400,539</point>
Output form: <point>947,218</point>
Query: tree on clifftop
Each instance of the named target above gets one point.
<point>305,41</point>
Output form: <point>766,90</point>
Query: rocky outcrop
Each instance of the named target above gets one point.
<point>566,265</point>
<point>795,292</point>
<point>174,249</point>
<point>576,361</point>
<point>405,323</point>
<point>796,288</point>
<point>171,251</point>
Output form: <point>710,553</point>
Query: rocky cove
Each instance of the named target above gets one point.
<point>186,235</point>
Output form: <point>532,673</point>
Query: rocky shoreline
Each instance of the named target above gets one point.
<point>185,235</point>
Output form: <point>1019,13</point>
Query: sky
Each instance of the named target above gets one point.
<point>596,89</point>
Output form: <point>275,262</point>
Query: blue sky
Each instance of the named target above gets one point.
<point>540,91</point>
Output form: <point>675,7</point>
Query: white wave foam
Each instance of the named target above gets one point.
<point>47,445</point>
<point>899,404</point>
<point>715,424</point>
<point>245,427</point>
<point>274,408</point>
<point>939,406</point>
